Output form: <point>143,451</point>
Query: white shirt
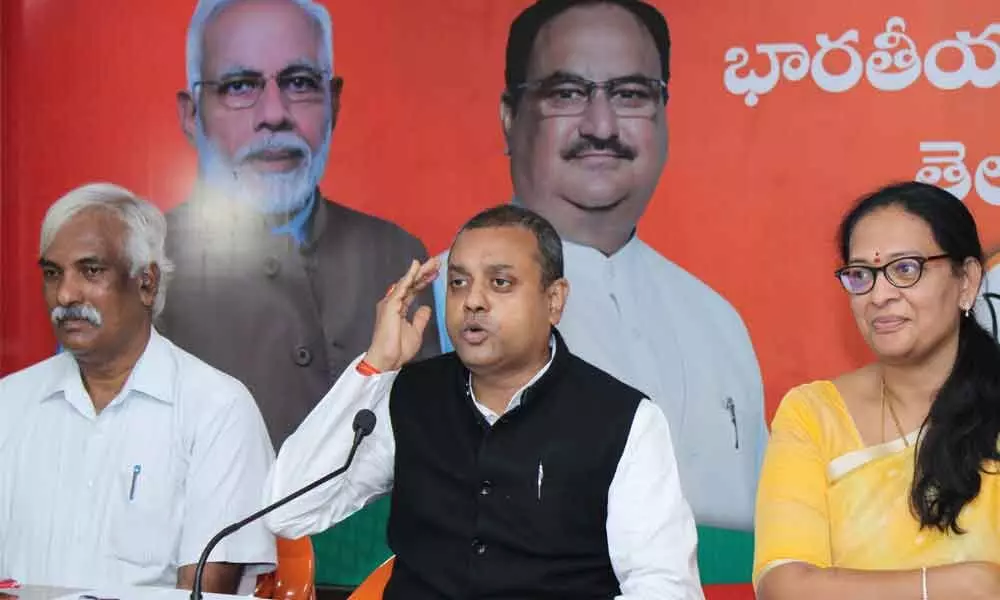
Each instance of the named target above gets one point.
<point>651,533</point>
<point>649,323</point>
<point>126,496</point>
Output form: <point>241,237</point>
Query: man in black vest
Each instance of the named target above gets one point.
<point>518,469</point>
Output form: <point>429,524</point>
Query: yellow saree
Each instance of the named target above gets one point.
<point>826,499</point>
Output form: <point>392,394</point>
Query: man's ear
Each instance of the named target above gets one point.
<point>558,293</point>
<point>149,284</point>
<point>187,112</point>
<point>336,89</point>
<point>506,120</point>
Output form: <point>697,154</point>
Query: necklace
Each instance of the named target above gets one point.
<point>895,419</point>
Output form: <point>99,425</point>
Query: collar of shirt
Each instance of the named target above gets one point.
<point>625,253</point>
<point>152,376</point>
<point>296,226</point>
<point>515,401</point>
<point>584,263</point>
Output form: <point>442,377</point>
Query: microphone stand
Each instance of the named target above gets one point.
<point>364,423</point>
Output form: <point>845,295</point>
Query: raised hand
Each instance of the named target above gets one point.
<point>396,339</point>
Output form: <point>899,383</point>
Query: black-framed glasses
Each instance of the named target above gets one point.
<point>638,97</point>
<point>901,272</point>
<point>242,90</point>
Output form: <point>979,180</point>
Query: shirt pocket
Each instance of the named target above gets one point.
<point>145,516</point>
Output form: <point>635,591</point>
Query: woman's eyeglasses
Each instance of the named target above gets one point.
<point>902,272</point>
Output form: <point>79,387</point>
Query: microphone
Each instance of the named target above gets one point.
<point>364,424</point>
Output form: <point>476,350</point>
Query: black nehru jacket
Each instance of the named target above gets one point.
<point>516,510</point>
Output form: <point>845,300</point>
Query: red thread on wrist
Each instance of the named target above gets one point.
<point>365,368</point>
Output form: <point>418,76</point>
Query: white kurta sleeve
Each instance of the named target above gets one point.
<point>321,444</point>
<point>652,539</point>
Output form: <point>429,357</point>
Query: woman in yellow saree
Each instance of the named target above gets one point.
<point>885,482</point>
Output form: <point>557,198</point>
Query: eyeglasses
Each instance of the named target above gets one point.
<point>902,272</point>
<point>296,85</point>
<point>637,97</point>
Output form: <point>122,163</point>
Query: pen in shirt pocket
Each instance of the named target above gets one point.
<point>731,408</point>
<point>136,469</point>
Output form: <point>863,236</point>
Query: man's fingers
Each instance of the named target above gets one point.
<point>421,284</point>
<point>424,274</point>
<point>407,280</point>
<point>421,317</point>
<point>405,290</point>
<point>397,290</point>
<point>429,269</point>
<point>415,290</point>
<point>416,281</point>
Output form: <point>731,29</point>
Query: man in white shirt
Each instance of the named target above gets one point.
<point>517,470</point>
<point>122,456</point>
<point>584,117</point>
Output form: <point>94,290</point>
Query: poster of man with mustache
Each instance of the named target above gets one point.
<point>275,281</point>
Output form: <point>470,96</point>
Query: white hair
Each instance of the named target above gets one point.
<point>207,9</point>
<point>147,228</point>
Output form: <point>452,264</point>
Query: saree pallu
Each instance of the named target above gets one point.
<point>827,500</point>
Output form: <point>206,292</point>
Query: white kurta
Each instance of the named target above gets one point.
<point>656,327</point>
<point>126,496</point>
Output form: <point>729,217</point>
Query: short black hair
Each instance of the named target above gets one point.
<point>524,30</point>
<point>550,254</point>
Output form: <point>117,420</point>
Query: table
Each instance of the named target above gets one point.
<point>37,592</point>
<point>45,592</point>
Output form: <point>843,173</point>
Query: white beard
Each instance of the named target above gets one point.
<point>269,193</point>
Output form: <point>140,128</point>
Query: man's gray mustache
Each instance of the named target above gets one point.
<point>76,312</point>
<point>281,142</point>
